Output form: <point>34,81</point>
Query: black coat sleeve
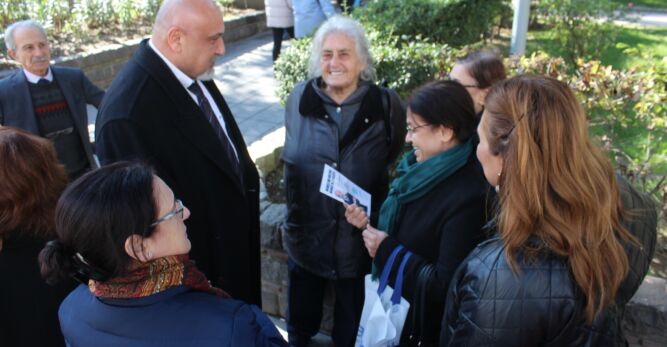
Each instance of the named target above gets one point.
<point>92,93</point>
<point>119,140</point>
<point>458,236</point>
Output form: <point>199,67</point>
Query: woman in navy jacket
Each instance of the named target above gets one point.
<point>120,231</point>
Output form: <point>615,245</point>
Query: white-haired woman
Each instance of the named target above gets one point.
<point>341,118</point>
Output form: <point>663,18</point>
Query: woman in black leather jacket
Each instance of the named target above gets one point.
<point>567,257</point>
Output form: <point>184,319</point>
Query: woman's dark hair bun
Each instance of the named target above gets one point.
<point>54,264</point>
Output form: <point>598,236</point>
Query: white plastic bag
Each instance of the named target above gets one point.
<point>384,311</point>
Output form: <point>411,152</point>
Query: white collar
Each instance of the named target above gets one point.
<point>184,79</point>
<point>32,78</point>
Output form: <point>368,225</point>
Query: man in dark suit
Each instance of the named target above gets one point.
<point>161,108</point>
<point>48,101</point>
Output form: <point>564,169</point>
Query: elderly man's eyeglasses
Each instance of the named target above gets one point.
<point>178,211</point>
<point>413,129</point>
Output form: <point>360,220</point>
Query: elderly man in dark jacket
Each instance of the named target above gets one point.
<point>49,101</point>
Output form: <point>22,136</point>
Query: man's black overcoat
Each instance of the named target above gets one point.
<point>148,115</point>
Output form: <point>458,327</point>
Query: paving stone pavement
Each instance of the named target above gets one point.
<point>645,17</point>
<point>244,75</point>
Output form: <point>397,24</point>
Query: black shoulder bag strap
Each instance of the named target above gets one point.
<point>419,305</point>
<point>386,103</point>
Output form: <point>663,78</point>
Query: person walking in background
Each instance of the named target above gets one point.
<point>121,232</point>
<point>49,101</point>
<point>436,207</point>
<point>309,14</point>
<point>567,257</point>
<point>341,118</point>
<point>477,72</point>
<point>164,108</point>
<point>31,180</point>
<point>280,19</point>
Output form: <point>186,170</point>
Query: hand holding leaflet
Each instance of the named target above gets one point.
<point>356,216</point>
<point>340,188</point>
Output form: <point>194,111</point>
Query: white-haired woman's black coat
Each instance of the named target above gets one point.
<point>317,235</point>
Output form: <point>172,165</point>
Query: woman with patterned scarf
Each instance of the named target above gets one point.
<point>436,206</point>
<point>121,233</point>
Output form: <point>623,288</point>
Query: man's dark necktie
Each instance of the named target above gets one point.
<point>43,81</point>
<point>210,115</point>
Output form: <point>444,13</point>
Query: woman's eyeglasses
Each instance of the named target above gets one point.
<point>412,130</point>
<point>178,211</point>
<point>449,78</point>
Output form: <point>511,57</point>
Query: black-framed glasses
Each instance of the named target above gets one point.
<point>411,130</point>
<point>178,211</point>
<point>450,78</point>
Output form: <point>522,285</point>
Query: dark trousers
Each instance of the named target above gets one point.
<point>278,39</point>
<point>348,5</point>
<point>306,295</point>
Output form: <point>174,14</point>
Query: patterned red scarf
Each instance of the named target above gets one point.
<point>155,276</point>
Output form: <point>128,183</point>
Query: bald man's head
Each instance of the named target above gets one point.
<point>189,34</point>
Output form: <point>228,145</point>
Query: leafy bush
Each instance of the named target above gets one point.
<point>583,28</point>
<point>403,66</point>
<point>456,22</point>
<point>75,16</point>
<point>627,112</point>
<point>225,3</point>
<point>291,67</point>
<point>627,109</point>
<point>400,65</point>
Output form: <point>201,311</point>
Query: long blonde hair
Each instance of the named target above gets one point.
<point>556,184</point>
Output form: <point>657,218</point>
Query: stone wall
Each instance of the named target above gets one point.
<point>645,320</point>
<point>274,257</point>
<point>256,4</point>
<point>102,65</point>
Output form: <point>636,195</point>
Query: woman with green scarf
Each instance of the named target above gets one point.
<point>436,206</point>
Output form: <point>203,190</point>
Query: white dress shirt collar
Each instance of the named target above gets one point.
<point>32,78</point>
<point>184,79</point>
<point>186,82</point>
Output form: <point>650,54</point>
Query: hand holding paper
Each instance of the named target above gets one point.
<point>340,188</point>
<point>356,216</point>
<point>372,239</point>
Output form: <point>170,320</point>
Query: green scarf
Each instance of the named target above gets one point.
<point>414,180</point>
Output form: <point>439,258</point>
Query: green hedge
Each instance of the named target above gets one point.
<point>627,109</point>
<point>400,65</point>
<point>77,16</point>
<point>455,22</point>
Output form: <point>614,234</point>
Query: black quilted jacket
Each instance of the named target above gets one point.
<point>489,305</point>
